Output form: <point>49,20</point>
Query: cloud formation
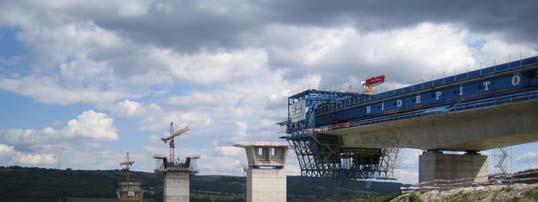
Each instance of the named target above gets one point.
<point>8,155</point>
<point>42,147</point>
<point>88,126</point>
<point>226,68</point>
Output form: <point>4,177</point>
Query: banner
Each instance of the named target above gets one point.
<point>298,111</point>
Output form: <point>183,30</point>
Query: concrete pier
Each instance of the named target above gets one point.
<point>437,168</point>
<point>176,186</point>
<point>266,176</point>
<point>266,185</point>
<point>176,177</point>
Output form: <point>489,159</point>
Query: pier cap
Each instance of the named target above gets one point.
<point>265,154</point>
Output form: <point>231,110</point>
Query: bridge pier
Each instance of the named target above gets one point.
<point>177,186</point>
<point>439,169</point>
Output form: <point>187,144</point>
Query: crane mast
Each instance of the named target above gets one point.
<point>172,147</point>
<point>170,138</point>
<point>127,163</point>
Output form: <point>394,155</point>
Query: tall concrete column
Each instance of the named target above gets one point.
<point>266,176</point>
<point>266,185</point>
<point>466,168</point>
<point>176,186</point>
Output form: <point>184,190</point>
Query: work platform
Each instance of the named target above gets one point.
<point>349,135</point>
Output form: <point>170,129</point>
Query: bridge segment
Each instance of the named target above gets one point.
<point>351,135</point>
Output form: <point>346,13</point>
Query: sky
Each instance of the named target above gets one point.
<point>84,82</point>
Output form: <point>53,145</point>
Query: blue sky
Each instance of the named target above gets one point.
<point>84,82</point>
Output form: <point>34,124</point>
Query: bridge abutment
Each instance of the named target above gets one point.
<point>439,169</point>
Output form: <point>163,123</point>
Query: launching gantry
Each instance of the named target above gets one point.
<point>353,135</point>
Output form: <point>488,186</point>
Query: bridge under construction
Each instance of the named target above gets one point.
<point>351,135</point>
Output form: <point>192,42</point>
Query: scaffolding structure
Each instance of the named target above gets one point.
<point>129,191</point>
<point>322,155</point>
<point>502,158</point>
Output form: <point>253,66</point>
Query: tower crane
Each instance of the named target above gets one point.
<point>127,163</point>
<point>170,139</point>
<point>371,82</point>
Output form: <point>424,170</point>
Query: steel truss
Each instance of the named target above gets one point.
<point>321,155</point>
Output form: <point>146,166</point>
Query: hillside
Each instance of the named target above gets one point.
<point>38,184</point>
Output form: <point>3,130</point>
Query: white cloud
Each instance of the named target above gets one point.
<point>194,98</point>
<point>229,150</point>
<point>220,165</point>
<point>93,125</point>
<point>35,159</point>
<point>241,129</point>
<point>129,108</point>
<point>80,137</point>
<point>47,90</point>
<point>6,148</point>
<point>406,170</point>
<point>408,158</point>
<point>157,121</point>
<point>407,176</point>
<point>210,67</point>
<point>9,155</point>
<point>89,126</point>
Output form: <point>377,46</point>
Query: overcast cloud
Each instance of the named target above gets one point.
<point>226,68</point>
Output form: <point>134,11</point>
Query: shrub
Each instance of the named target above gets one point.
<point>413,197</point>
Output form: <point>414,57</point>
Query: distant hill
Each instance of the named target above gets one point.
<point>39,184</point>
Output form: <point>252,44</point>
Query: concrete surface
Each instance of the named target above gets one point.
<point>471,130</point>
<point>266,185</point>
<point>176,186</point>
<point>438,166</point>
<point>130,192</point>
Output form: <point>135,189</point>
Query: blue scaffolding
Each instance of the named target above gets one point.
<point>322,155</point>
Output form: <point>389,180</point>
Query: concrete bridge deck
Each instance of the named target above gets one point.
<point>468,130</point>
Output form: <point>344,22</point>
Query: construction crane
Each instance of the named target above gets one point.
<point>127,163</point>
<point>371,82</point>
<point>171,139</point>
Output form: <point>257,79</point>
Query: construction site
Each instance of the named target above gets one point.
<point>348,142</point>
<point>350,135</point>
<point>356,136</point>
<point>268,101</point>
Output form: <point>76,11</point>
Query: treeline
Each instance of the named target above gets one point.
<point>40,184</point>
